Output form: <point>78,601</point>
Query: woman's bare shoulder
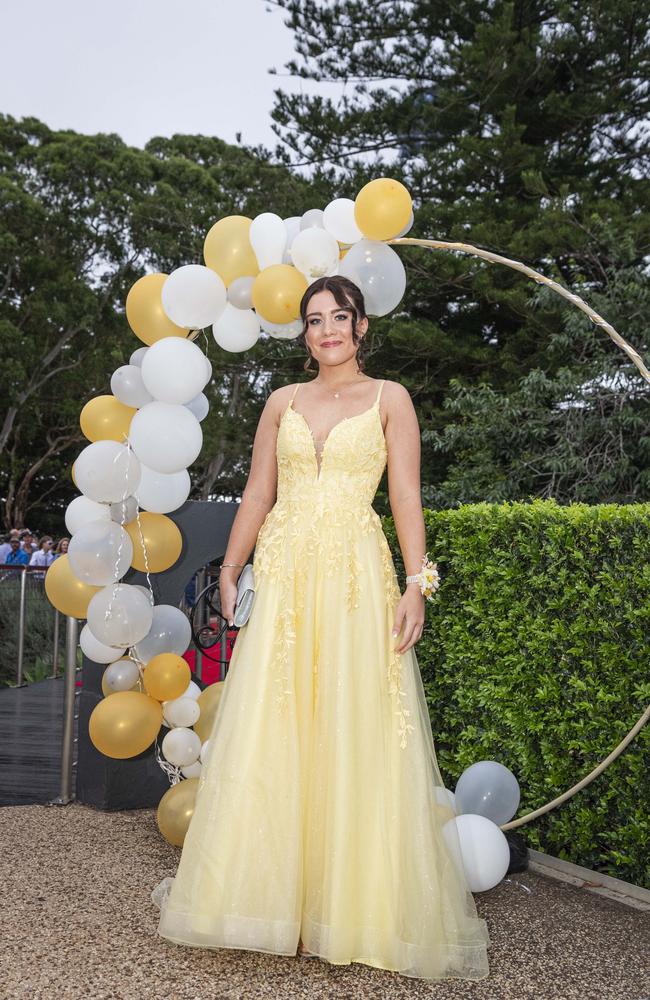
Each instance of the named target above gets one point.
<point>395,394</point>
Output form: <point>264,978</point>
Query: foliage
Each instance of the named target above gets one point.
<point>535,654</point>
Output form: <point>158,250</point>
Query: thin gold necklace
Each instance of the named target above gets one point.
<point>338,393</point>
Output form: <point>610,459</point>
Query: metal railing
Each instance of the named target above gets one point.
<point>29,622</point>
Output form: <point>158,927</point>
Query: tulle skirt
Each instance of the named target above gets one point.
<point>321,813</point>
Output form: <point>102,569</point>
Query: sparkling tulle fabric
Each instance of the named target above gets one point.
<point>320,812</point>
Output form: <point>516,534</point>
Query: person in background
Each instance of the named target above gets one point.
<point>43,555</point>
<point>61,548</point>
<point>28,541</point>
<point>18,555</point>
<point>5,545</point>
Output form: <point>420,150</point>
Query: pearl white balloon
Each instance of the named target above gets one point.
<point>147,593</point>
<point>98,651</point>
<point>312,217</point>
<point>282,331</point>
<point>193,691</point>
<point>488,788</point>
<point>208,370</point>
<point>240,293</point>
<point>236,329</point>
<point>169,632</point>
<point>192,770</point>
<point>162,492</point>
<point>173,370</point>
<point>314,252</point>
<point>81,511</point>
<point>204,752</point>
<point>106,471</point>
<point>124,511</point>
<point>100,552</point>
<point>128,387</point>
<point>165,436</point>
<point>484,850</point>
<point>181,711</point>
<point>137,356</point>
<point>181,746</point>
<point>338,219</point>
<point>193,296</point>
<point>119,615</point>
<point>268,237</point>
<point>378,271</point>
<point>121,675</point>
<point>199,406</point>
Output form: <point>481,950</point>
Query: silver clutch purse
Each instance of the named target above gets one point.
<point>245,596</point>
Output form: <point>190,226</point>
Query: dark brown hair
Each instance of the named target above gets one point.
<point>347,295</point>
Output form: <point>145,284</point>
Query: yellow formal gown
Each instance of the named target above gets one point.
<point>320,811</point>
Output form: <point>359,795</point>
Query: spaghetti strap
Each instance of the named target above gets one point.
<point>295,391</point>
<point>380,388</point>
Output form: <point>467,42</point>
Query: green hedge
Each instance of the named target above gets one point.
<point>535,654</point>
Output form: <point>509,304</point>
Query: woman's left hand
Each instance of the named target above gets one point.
<point>410,614</point>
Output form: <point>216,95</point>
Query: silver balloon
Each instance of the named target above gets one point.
<point>488,789</point>
<point>124,511</point>
<point>240,293</point>
<point>170,632</point>
<point>378,271</point>
<point>121,675</point>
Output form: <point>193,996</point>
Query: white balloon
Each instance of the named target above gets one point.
<point>199,406</point>
<point>193,690</point>
<point>119,615</point>
<point>128,387</point>
<point>292,227</point>
<point>98,651</point>
<point>165,436</point>
<point>100,553</point>
<point>236,329</point>
<point>107,471</point>
<point>181,711</point>
<point>162,492</point>
<point>169,632</point>
<point>174,370</point>
<point>181,746</point>
<point>204,752</point>
<point>121,675</point>
<point>208,370</point>
<point>312,217</point>
<point>378,271</point>
<point>137,356</point>
<point>240,293</point>
<point>484,850</point>
<point>268,237</point>
<point>145,590</point>
<point>192,770</point>
<point>282,331</point>
<point>81,511</point>
<point>314,252</point>
<point>338,219</point>
<point>193,296</point>
<point>124,511</point>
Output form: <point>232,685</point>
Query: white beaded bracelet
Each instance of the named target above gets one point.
<point>428,578</point>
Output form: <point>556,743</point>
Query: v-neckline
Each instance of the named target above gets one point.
<point>354,416</point>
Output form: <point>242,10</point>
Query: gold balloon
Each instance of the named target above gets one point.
<point>228,251</point>
<point>166,676</point>
<point>382,208</point>
<point>67,593</point>
<point>175,810</point>
<point>277,291</point>
<point>162,539</point>
<point>208,702</point>
<point>125,724</point>
<point>104,418</point>
<point>145,313</point>
<point>106,691</point>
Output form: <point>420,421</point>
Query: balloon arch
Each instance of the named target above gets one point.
<point>134,472</point>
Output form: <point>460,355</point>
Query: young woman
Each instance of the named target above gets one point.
<point>321,821</point>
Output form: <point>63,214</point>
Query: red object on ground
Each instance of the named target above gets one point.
<point>210,666</point>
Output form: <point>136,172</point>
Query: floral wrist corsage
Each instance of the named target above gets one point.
<point>428,577</point>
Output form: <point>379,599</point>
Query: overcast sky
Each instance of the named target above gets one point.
<point>146,67</point>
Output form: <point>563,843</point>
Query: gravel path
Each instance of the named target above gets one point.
<point>77,922</point>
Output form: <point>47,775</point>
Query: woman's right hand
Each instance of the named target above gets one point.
<point>228,577</point>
